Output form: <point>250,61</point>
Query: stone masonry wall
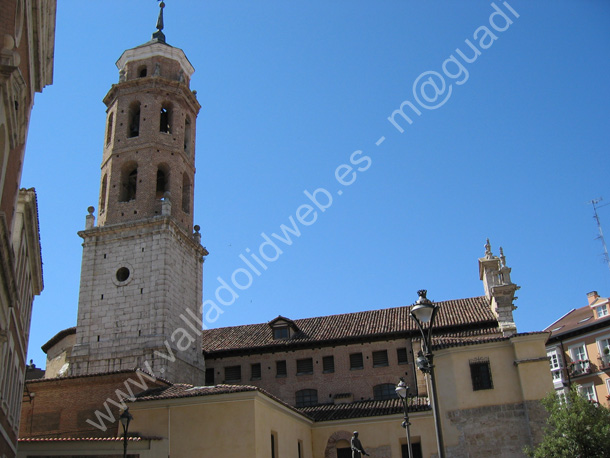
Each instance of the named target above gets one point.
<point>497,431</point>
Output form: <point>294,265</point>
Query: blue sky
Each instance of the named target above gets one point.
<point>291,90</point>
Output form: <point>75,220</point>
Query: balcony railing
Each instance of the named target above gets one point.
<point>580,367</point>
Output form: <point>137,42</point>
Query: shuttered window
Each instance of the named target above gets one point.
<point>255,371</point>
<point>232,373</point>
<point>280,368</point>
<point>306,398</point>
<point>356,361</point>
<point>304,366</point>
<point>328,364</point>
<point>401,354</point>
<point>380,358</point>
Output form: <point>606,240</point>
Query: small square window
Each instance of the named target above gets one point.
<point>380,358</point>
<point>281,333</point>
<point>304,366</point>
<point>601,310</point>
<point>328,364</point>
<point>356,361</point>
<point>280,367</point>
<point>480,372</point>
<point>255,371</point>
<point>401,354</point>
<point>209,376</point>
<point>232,373</point>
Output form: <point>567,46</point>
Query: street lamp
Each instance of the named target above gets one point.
<point>402,390</point>
<point>424,311</point>
<point>125,418</point>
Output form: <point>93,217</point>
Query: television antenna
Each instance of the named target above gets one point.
<point>595,205</point>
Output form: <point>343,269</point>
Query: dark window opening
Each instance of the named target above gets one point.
<point>165,120</point>
<point>209,376</point>
<point>380,358</point>
<point>280,369</point>
<point>109,128</point>
<point>129,184</point>
<point>103,194</point>
<point>134,120</point>
<point>415,448</point>
<point>281,333</point>
<point>122,274</point>
<point>304,366</point>
<point>273,445</point>
<point>480,372</point>
<point>186,193</point>
<point>328,364</point>
<point>401,354</point>
<point>142,72</point>
<point>162,183</point>
<point>187,136</point>
<point>356,361</point>
<point>233,374</point>
<point>344,452</point>
<point>384,391</point>
<point>305,398</point>
<point>255,371</point>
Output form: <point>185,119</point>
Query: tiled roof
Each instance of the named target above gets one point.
<point>472,313</point>
<point>98,374</point>
<point>57,337</point>
<point>448,341</point>
<point>581,319</point>
<point>183,390</point>
<point>361,409</point>
<point>87,439</point>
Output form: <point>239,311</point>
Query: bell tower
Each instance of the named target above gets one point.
<point>141,276</point>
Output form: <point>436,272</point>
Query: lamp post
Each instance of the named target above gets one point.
<point>125,418</point>
<point>424,311</point>
<point>402,390</point>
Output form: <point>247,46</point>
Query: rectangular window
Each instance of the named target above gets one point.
<point>328,364</point>
<point>300,449</point>
<point>401,354</point>
<point>580,360</point>
<point>304,366</point>
<point>280,368</point>
<point>281,333</point>
<point>233,374</point>
<point>604,352</point>
<point>255,371</point>
<point>554,359</point>
<point>356,361</point>
<point>588,392</point>
<point>415,448</point>
<point>209,376</point>
<point>273,444</point>
<point>480,372</point>
<point>380,358</point>
<point>602,310</point>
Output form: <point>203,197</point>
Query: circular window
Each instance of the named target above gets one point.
<point>122,274</point>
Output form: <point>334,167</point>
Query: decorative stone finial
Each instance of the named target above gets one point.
<point>90,219</point>
<point>159,35</point>
<point>197,235</point>
<point>488,253</point>
<point>502,257</point>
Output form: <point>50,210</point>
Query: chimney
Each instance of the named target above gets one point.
<point>592,297</point>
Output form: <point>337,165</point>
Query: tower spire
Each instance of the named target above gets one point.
<point>159,35</point>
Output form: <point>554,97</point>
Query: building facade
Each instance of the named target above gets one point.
<point>27,28</point>
<point>579,350</point>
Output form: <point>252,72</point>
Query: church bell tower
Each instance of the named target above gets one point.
<point>141,275</point>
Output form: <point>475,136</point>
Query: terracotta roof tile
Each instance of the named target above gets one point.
<point>361,409</point>
<point>98,374</point>
<point>472,312</point>
<point>57,337</point>
<point>183,390</point>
